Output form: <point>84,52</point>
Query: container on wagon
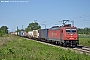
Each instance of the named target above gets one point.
<point>30,34</point>
<point>15,33</point>
<point>21,33</point>
<point>24,33</point>
<point>43,33</point>
<point>35,34</point>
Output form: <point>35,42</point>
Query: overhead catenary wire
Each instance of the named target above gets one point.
<point>82,18</point>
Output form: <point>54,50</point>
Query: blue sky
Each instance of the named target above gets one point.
<point>17,14</point>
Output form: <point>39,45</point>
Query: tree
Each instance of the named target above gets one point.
<point>33,26</point>
<point>86,30</point>
<point>3,30</point>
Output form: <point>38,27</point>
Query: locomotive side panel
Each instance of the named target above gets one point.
<point>54,35</point>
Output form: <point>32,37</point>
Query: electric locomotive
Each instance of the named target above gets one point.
<point>65,35</point>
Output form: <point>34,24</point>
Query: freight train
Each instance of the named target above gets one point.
<point>65,35</point>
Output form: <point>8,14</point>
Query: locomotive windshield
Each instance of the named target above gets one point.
<point>67,30</point>
<point>70,30</point>
<point>73,30</point>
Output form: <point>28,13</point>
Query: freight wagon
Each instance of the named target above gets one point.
<point>30,34</point>
<point>25,34</point>
<point>21,33</point>
<point>35,34</point>
<point>15,33</point>
<point>43,34</point>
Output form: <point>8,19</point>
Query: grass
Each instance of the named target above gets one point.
<point>18,48</point>
<point>84,41</point>
<point>84,35</point>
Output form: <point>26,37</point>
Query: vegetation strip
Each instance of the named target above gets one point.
<point>84,41</point>
<point>21,49</point>
<point>83,50</point>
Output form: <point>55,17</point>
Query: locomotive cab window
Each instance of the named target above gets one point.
<point>68,30</point>
<point>73,30</point>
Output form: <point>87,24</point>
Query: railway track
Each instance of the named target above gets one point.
<point>84,49</point>
<point>78,49</point>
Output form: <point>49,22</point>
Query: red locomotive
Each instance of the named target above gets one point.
<point>65,35</point>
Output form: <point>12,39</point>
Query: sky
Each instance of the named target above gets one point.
<point>48,12</point>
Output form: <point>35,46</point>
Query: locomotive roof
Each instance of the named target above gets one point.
<point>58,27</point>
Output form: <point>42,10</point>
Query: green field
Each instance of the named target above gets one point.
<point>16,48</point>
<point>84,41</point>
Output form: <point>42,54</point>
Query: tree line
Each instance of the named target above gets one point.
<point>3,30</point>
<point>85,30</point>
<point>35,26</point>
